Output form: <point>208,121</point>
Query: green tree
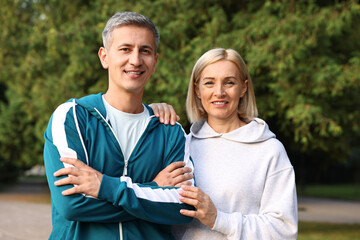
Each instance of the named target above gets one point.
<point>303,57</point>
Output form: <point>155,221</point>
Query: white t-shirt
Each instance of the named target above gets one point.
<point>128,127</point>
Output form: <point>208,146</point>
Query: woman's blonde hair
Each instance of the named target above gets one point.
<point>247,109</point>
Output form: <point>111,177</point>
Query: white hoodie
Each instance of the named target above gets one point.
<point>249,178</point>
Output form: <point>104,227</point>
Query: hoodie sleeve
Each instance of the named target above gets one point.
<point>277,216</point>
<point>151,202</point>
<point>61,132</point>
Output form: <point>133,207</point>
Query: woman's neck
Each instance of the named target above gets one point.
<point>225,125</point>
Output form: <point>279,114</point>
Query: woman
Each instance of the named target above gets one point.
<point>245,181</point>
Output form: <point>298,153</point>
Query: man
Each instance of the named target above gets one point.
<point>122,146</point>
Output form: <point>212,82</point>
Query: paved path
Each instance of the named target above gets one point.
<point>25,212</point>
<point>24,220</point>
<point>325,210</point>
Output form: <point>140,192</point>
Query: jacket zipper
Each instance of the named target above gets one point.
<point>126,163</point>
<point>126,160</point>
<point>112,130</point>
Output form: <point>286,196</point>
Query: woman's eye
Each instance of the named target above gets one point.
<point>208,83</point>
<point>230,83</point>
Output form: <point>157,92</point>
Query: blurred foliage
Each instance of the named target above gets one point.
<point>350,192</point>
<point>325,231</point>
<point>304,58</point>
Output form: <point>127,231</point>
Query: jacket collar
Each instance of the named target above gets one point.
<point>95,105</point>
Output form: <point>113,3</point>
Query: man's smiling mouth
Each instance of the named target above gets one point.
<point>134,72</point>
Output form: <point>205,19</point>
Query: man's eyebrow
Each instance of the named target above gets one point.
<point>124,45</point>
<point>130,45</point>
<point>147,46</point>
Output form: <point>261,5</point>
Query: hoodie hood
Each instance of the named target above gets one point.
<point>255,131</point>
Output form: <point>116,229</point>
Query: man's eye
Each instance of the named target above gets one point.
<point>146,51</point>
<point>124,49</point>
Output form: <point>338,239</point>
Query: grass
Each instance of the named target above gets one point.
<point>325,231</point>
<point>343,191</point>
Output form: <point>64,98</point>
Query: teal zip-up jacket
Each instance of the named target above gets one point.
<point>129,205</point>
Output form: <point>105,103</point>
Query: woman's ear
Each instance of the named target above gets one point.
<point>197,91</point>
<point>103,56</point>
<point>244,88</point>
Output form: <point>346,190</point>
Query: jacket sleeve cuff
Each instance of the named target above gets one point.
<point>108,188</point>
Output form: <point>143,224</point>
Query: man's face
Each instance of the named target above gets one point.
<point>130,59</point>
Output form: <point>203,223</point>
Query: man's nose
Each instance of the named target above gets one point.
<point>135,58</point>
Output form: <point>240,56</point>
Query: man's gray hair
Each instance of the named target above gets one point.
<point>126,19</point>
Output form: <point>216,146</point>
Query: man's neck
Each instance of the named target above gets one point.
<point>129,103</point>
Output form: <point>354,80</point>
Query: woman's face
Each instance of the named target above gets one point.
<point>220,89</point>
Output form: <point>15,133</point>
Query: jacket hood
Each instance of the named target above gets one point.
<point>95,105</point>
<point>255,131</point>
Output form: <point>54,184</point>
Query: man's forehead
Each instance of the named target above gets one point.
<point>135,29</point>
<point>130,34</point>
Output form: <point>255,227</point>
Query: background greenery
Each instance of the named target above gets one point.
<point>326,231</point>
<point>334,191</point>
<point>304,58</point>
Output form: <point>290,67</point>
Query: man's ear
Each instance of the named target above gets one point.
<point>156,61</point>
<point>103,56</point>
<point>156,58</point>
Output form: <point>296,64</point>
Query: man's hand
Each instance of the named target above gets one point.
<point>174,175</point>
<point>165,113</point>
<point>84,178</point>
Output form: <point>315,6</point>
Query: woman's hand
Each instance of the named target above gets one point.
<point>174,175</point>
<point>84,178</point>
<point>206,211</point>
<point>165,113</point>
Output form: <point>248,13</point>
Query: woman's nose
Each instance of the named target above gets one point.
<point>219,90</point>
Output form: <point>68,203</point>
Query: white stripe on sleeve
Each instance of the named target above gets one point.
<point>59,134</point>
<point>153,194</point>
